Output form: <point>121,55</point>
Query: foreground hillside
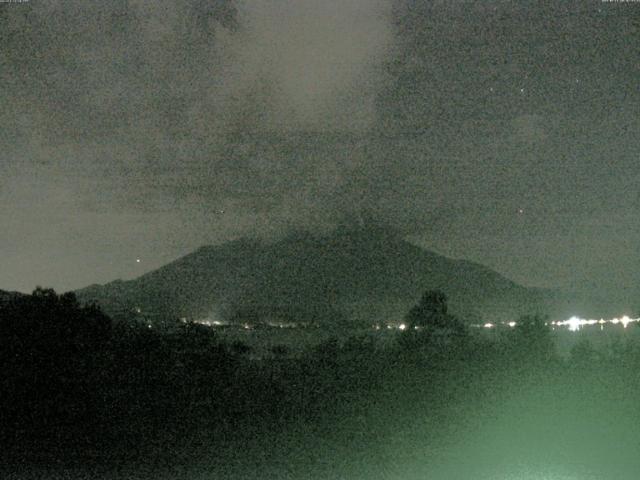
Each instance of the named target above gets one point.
<point>88,397</point>
<point>353,274</point>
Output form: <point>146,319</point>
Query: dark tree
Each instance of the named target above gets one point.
<point>50,351</point>
<point>432,313</point>
<point>51,321</point>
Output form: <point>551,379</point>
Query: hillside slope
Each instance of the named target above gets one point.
<point>362,274</point>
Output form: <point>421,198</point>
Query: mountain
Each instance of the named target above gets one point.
<point>354,274</point>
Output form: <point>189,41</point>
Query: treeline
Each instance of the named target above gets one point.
<point>78,385</point>
<point>70,374</point>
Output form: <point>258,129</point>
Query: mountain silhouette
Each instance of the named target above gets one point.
<point>357,273</point>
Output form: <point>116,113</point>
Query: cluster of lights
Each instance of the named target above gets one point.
<point>209,323</point>
<point>398,326</point>
<point>573,324</point>
<point>576,323</point>
<point>245,326</point>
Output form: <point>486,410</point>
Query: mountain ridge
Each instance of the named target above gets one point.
<point>359,274</point>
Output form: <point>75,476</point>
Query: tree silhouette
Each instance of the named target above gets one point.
<point>50,349</point>
<point>432,313</point>
<point>46,320</point>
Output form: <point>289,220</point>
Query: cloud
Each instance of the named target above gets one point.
<point>321,61</point>
<point>152,102</point>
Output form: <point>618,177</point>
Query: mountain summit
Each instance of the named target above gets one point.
<point>357,273</point>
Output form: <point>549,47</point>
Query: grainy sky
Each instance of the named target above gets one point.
<point>503,132</point>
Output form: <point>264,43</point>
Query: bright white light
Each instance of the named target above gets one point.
<point>574,324</point>
<point>402,326</point>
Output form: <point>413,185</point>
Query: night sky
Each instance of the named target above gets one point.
<point>507,133</point>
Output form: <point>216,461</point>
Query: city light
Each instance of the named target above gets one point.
<point>573,324</point>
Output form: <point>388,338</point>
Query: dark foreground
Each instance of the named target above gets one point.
<point>84,397</point>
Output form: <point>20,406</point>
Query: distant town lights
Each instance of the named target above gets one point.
<point>574,323</point>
